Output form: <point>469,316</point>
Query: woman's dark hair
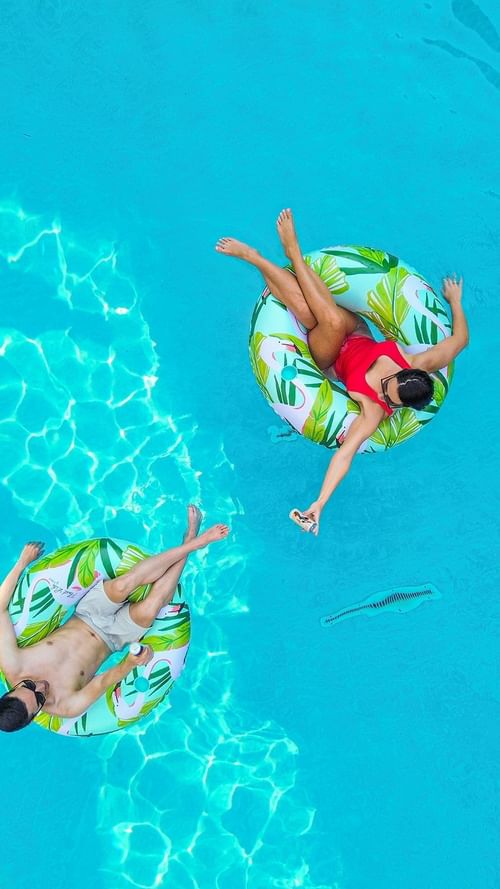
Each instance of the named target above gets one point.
<point>13,714</point>
<point>415,388</point>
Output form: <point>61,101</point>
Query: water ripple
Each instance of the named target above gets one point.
<point>208,795</point>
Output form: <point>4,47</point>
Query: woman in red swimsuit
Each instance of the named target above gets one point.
<point>380,377</point>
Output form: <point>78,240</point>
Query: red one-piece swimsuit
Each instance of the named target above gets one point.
<point>356,356</point>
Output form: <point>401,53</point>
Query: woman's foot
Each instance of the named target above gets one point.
<point>211,535</point>
<point>195,519</point>
<point>287,234</point>
<point>232,247</point>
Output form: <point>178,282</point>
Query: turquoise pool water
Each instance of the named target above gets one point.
<point>357,755</point>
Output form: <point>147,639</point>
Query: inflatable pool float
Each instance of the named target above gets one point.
<point>45,597</point>
<point>391,295</point>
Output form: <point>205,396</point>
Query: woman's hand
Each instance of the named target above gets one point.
<point>452,289</point>
<point>30,552</point>
<point>313,513</point>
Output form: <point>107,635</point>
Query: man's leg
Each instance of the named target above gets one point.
<point>281,282</point>
<point>150,570</point>
<point>161,593</point>
<point>163,589</point>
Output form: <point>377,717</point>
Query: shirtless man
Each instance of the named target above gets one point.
<point>380,377</point>
<point>57,675</point>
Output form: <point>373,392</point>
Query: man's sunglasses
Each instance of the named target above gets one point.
<point>31,686</point>
<point>384,383</point>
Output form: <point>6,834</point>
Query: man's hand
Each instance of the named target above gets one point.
<point>452,289</point>
<point>137,660</point>
<point>80,701</point>
<point>30,552</point>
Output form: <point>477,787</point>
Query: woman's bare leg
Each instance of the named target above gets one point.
<point>281,282</point>
<point>334,322</point>
<point>150,570</point>
<point>163,590</point>
<point>315,291</point>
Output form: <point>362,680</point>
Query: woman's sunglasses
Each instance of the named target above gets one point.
<point>384,383</point>
<point>31,686</point>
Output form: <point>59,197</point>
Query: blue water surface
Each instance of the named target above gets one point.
<point>290,755</point>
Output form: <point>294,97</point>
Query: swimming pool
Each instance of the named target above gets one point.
<point>357,755</point>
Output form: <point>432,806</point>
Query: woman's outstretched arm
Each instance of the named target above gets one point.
<point>363,426</point>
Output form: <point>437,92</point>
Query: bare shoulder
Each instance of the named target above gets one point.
<point>410,359</point>
<point>65,707</point>
<point>370,411</point>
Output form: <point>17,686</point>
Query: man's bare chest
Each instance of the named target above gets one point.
<point>68,658</point>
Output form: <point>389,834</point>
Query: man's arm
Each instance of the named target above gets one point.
<point>81,700</point>
<point>29,553</point>
<point>9,584</point>
<point>10,655</point>
<point>443,353</point>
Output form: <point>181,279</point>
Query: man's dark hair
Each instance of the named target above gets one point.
<point>415,388</point>
<point>14,714</point>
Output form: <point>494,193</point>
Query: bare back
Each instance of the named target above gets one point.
<point>67,659</point>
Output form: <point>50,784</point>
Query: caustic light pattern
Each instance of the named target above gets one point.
<point>206,791</point>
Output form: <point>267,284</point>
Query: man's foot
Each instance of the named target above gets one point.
<point>195,518</point>
<point>232,247</point>
<point>216,532</point>
<point>287,234</point>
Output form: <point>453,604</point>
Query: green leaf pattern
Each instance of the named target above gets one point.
<point>60,557</point>
<point>86,564</point>
<point>327,268</point>
<point>131,556</point>
<point>402,425</point>
<point>108,558</point>
<point>372,283</point>
<point>315,424</point>
<point>259,367</point>
<point>36,631</point>
<point>388,307</point>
